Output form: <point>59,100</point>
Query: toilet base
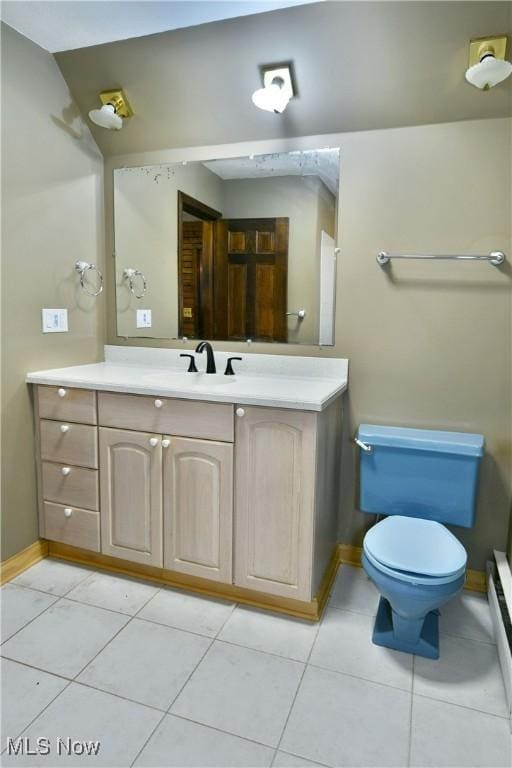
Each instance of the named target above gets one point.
<point>427,645</point>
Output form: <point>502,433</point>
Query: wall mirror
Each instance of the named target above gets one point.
<point>229,249</point>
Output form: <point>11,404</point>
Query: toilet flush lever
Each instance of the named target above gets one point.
<point>363,446</point>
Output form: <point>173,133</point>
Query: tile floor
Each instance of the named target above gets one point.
<point>164,678</point>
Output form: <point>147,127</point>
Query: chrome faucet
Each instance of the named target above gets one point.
<point>210,357</point>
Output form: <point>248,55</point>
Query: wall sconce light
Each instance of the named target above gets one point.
<point>115,107</point>
<point>487,63</point>
<point>277,89</point>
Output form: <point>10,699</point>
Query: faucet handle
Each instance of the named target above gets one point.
<point>192,364</point>
<point>229,368</point>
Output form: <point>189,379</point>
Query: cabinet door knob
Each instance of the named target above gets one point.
<point>65,471</point>
<point>165,443</point>
<point>61,392</point>
<point>158,403</point>
<point>153,441</point>
<point>68,511</point>
<point>64,428</point>
<point>240,412</point>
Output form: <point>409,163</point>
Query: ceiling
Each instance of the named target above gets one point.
<point>358,66</point>
<point>63,25</point>
<point>323,163</point>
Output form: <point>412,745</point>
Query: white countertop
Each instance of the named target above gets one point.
<point>282,381</point>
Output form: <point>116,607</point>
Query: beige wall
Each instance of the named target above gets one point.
<point>52,200</point>
<point>146,238</point>
<point>305,202</point>
<point>429,344</point>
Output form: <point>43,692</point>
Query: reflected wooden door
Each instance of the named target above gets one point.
<point>250,279</point>
<point>191,254</point>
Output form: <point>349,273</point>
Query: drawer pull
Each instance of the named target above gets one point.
<point>68,511</point>
<point>61,392</point>
<point>165,443</point>
<point>158,403</point>
<point>153,441</point>
<point>65,471</point>
<point>64,428</point>
<point>240,412</point>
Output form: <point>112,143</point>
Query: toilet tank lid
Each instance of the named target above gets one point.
<point>462,443</point>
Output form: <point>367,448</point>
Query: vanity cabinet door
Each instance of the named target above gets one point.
<point>274,500</point>
<point>198,507</point>
<point>131,495</point>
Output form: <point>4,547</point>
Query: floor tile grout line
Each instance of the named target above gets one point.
<point>221,730</point>
<point>259,650</point>
<point>150,736</point>
<point>359,677</point>
<point>119,696</point>
<point>301,757</point>
<point>462,706</point>
<point>29,622</point>
<point>99,607</point>
<point>130,619</point>
<point>182,629</point>
<point>82,683</point>
<point>306,665</point>
<point>44,708</point>
<point>206,725</point>
<point>136,614</point>
<point>178,694</point>
<point>90,572</point>
<point>167,711</point>
<point>38,669</point>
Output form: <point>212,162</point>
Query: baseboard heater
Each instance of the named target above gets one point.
<point>499,591</point>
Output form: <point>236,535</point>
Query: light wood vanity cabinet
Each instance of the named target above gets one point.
<point>191,479</point>
<point>131,495</point>
<point>198,508</point>
<point>275,458</point>
<point>67,466</point>
<point>246,500</point>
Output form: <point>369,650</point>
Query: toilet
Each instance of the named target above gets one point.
<point>419,480</point>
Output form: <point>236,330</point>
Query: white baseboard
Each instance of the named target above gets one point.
<point>499,590</point>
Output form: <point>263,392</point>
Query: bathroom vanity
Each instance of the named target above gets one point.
<point>224,484</point>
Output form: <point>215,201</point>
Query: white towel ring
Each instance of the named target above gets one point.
<point>130,275</point>
<point>84,266</point>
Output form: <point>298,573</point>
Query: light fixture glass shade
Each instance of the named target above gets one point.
<point>272,98</point>
<point>106,118</point>
<point>488,72</point>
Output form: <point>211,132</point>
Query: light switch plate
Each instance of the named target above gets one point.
<point>55,320</point>
<point>143,318</point>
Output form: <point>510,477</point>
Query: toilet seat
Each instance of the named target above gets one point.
<point>415,550</point>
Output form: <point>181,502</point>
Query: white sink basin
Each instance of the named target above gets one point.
<point>209,379</point>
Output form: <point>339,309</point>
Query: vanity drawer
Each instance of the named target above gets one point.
<point>72,525</point>
<point>78,487</point>
<point>70,405</point>
<point>69,442</point>
<point>181,418</point>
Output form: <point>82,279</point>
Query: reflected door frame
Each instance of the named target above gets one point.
<point>188,204</point>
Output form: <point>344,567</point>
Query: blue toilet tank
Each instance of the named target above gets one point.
<point>420,473</point>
